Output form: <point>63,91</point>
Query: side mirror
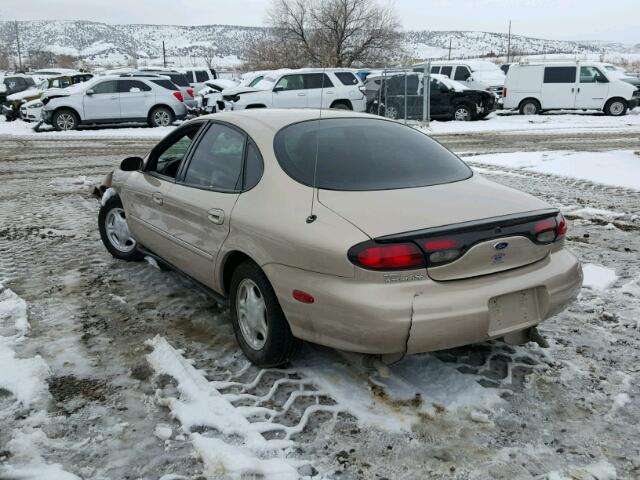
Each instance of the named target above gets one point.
<point>134,90</point>
<point>131,164</point>
<point>90,92</point>
<point>470,79</point>
<point>278,88</point>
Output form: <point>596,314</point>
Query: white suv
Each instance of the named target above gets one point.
<point>114,99</point>
<point>305,88</point>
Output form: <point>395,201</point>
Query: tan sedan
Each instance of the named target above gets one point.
<point>348,230</point>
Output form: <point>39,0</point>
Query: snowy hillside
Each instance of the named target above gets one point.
<point>104,44</point>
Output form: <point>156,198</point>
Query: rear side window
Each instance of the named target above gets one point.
<point>560,75</point>
<point>462,73</point>
<point>201,76</point>
<point>129,86</point>
<point>364,154</point>
<point>446,71</point>
<point>168,84</point>
<point>253,167</point>
<point>435,69</point>
<point>347,78</point>
<point>216,163</point>
<point>317,80</point>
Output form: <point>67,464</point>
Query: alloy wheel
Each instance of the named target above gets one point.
<point>66,121</point>
<point>161,118</point>
<point>252,314</point>
<point>118,231</point>
<point>461,114</point>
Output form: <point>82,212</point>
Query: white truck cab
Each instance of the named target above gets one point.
<point>473,74</point>
<point>532,87</point>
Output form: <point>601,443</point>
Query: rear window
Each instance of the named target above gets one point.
<point>356,154</point>
<point>178,78</point>
<point>560,75</point>
<point>168,84</point>
<point>347,78</point>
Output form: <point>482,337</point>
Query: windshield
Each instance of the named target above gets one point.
<point>266,83</point>
<point>356,154</point>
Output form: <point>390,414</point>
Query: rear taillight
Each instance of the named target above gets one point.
<point>442,250</point>
<point>190,92</point>
<point>546,230</point>
<point>379,256</point>
<point>504,92</point>
<point>561,229</point>
<point>179,96</point>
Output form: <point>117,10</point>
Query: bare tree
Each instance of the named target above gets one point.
<point>329,33</point>
<point>209,54</point>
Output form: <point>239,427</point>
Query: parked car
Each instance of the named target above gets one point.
<point>304,88</point>
<point>207,99</point>
<point>475,74</point>
<point>533,87</point>
<point>114,99</point>
<point>197,76</point>
<point>180,79</point>
<point>29,103</point>
<point>13,83</point>
<point>403,249</point>
<point>450,100</point>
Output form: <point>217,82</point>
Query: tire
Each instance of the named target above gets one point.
<point>616,107</point>
<point>341,106</point>
<point>462,113</point>
<point>266,340</point>
<point>64,120</point>
<point>529,107</point>
<point>115,235</point>
<point>161,117</point>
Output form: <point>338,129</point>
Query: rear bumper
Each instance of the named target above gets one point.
<point>360,315</point>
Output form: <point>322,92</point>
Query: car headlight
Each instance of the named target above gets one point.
<point>36,105</point>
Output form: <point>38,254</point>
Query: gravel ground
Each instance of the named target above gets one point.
<point>569,411</point>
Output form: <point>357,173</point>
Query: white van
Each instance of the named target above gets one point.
<point>197,76</point>
<point>474,74</point>
<point>532,87</point>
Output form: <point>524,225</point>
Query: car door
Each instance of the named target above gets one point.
<point>320,90</point>
<point>102,101</point>
<point>144,192</point>
<point>593,88</point>
<point>559,87</point>
<point>134,98</point>
<point>199,206</point>
<point>440,98</point>
<point>289,92</point>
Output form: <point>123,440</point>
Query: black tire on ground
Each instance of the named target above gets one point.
<point>341,106</point>
<point>161,117</point>
<point>280,344</point>
<point>65,119</point>
<point>529,107</point>
<point>112,235</point>
<point>463,112</point>
<point>616,107</point>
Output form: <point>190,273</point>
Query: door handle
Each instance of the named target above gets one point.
<point>330,92</point>
<point>572,90</point>
<point>157,197</point>
<point>216,215</point>
<point>114,97</point>
<point>578,89</point>
<point>302,94</point>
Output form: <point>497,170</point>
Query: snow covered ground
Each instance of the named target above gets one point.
<point>551,124</point>
<point>112,370</point>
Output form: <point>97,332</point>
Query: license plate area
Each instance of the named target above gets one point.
<point>513,310</point>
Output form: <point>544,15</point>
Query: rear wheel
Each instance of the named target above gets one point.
<point>341,106</point>
<point>616,107</point>
<point>462,113</point>
<point>529,107</point>
<point>65,120</point>
<point>114,231</point>
<point>160,117</point>
<point>258,320</point>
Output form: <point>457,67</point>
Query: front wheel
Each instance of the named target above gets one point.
<point>616,107</point>
<point>462,113</point>
<point>64,120</point>
<point>160,117</point>
<point>114,231</point>
<point>258,320</point>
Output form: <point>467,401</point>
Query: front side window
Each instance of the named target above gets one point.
<point>110,86</point>
<point>462,74</point>
<point>256,80</point>
<point>347,78</point>
<point>560,75</point>
<point>167,159</point>
<point>446,71</point>
<point>217,161</point>
<point>435,69</point>
<point>132,86</point>
<point>317,80</point>
<point>364,154</point>
<point>591,75</point>
<point>291,82</point>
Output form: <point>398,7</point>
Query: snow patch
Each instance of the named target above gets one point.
<point>108,193</point>
<point>598,277</point>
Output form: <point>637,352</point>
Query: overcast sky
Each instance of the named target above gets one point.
<point>617,20</point>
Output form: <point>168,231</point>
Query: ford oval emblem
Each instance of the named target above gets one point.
<point>501,245</point>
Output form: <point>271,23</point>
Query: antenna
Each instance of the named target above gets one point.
<point>312,217</point>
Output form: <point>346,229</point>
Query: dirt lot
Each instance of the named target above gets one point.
<point>486,411</point>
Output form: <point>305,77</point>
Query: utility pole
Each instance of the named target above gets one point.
<point>509,44</point>
<point>449,48</point>
<point>164,56</point>
<point>18,42</point>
